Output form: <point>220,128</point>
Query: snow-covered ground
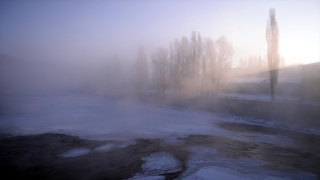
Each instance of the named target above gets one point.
<point>100,118</point>
<point>264,97</point>
<point>207,164</point>
<point>267,97</point>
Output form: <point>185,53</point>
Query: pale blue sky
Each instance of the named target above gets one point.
<point>67,30</point>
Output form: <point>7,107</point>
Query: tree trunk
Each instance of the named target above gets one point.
<point>272,83</point>
<point>202,84</point>
<point>272,90</point>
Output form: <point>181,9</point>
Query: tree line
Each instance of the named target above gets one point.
<point>189,66</point>
<point>200,65</point>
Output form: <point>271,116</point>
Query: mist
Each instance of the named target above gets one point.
<point>131,50</point>
<point>159,89</point>
<point>78,39</point>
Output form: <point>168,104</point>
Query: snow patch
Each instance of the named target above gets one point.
<point>126,144</point>
<point>157,164</point>
<point>205,163</point>
<point>104,148</point>
<point>75,153</point>
<point>147,178</point>
<point>208,173</point>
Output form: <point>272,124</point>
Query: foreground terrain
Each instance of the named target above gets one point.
<point>73,136</point>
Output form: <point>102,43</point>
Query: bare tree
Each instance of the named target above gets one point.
<point>176,66</point>
<point>141,69</point>
<point>160,64</point>
<point>193,62</point>
<point>208,64</point>
<point>224,60</point>
<point>171,81</point>
<point>195,51</point>
<point>186,66</point>
<point>199,57</point>
<point>272,36</point>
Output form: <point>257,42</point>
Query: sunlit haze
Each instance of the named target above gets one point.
<point>95,30</point>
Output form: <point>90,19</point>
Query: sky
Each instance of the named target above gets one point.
<point>89,31</point>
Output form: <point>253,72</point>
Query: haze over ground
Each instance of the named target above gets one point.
<point>90,31</point>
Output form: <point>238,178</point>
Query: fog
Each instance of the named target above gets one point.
<point>192,49</point>
<point>68,45</point>
<point>18,75</point>
<point>203,55</point>
<point>159,89</point>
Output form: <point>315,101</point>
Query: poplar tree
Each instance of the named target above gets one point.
<point>272,36</point>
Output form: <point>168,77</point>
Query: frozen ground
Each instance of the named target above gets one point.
<point>186,144</point>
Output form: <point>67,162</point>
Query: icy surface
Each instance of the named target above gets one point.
<point>75,152</point>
